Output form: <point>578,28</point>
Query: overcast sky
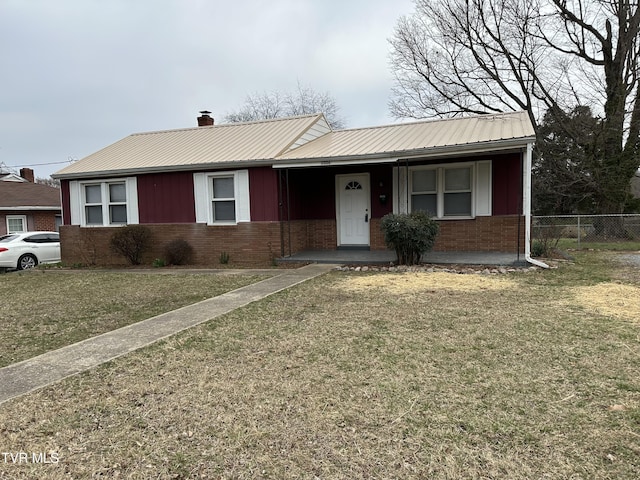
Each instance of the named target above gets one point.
<point>78,75</point>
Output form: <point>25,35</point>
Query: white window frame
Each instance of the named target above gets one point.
<point>440,188</point>
<point>480,182</point>
<point>22,218</point>
<point>78,202</point>
<point>204,200</point>
<point>212,215</point>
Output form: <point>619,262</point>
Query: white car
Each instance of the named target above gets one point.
<point>26,250</point>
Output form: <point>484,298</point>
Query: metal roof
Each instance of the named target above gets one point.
<point>175,149</point>
<point>416,138</point>
<point>300,141</point>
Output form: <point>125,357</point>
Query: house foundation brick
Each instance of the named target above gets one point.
<point>246,244</point>
<point>482,234</point>
<point>44,221</point>
<point>260,243</point>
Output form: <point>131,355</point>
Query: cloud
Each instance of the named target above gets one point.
<point>81,74</point>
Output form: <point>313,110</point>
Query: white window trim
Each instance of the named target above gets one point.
<point>481,188</point>
<point>23,218</point>
<point>77,202</point>
<point>213,199</point>
<point>203,196</point>
<point>440,188</point>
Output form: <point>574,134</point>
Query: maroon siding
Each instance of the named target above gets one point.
<point>381,184</point>
<point>166,198</point>
<point>263,191</point>
<point>66,205</point>
<point>507,184</point>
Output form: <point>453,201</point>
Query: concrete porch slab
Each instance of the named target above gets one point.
<point>385,257</point>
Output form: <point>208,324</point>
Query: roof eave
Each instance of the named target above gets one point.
<point>32,207</point>
<point>383,157</point>
<point>391,157</point>
<point>191,167</point>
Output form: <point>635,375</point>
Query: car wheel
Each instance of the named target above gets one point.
<point>27,261</point>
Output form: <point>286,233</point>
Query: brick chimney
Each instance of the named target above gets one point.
<point>205,119</point>
<point>27,174</point>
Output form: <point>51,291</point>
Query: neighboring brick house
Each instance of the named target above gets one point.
<point>264,190</point>
<point>27,206</point>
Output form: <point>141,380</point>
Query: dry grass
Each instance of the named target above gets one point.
<point>464,376</point>
<point>611,299</point>
<point>44,310</point>
<point>416,283</point>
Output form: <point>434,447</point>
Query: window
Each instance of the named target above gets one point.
<point>424,194</point>
<point>442,191</point>
<point>457,192</point>
<point>104,203</point>
<point>93,204</point>
<point>16,223</point>
<point>43,238</point>
<point>117,203</point>
<point>222,198</point>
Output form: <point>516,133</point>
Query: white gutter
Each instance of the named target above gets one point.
<point>289,160</point>
<point>33,207</point>
<point>526,203</point>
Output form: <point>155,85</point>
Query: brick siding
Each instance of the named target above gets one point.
<point>246,244</point>
<point>43,221</point>
<point>483,234</point>
<point>36,221</point>
<point>259,243</point>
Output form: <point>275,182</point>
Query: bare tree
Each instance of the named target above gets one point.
<point>453,57</point>
<point>303,101</point>
<point>52,182</point>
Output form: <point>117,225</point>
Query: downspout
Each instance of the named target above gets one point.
<point>526,200</point>
<point>520,205</point>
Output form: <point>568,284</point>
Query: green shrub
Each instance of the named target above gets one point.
<point>538,249</point>
<point>178,252</point>
<point>224,258</point>
<point>158,263</point>
<point>410,235</point>
<point>131,241</point>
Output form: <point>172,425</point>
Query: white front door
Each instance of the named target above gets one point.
<point>353,209</point>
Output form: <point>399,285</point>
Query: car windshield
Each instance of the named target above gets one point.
<point>7,238</point>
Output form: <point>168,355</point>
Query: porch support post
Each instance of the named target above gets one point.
<point>281,213</point>
<point>406,184</point>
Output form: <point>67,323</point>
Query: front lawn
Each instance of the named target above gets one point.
<point>360,375</point>
<point>46,309</point>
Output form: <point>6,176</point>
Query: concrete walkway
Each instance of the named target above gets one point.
<point>51,367</point>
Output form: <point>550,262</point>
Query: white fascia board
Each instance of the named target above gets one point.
<point>26,207</point>
<point>440,152</point>
<point>192,167</point>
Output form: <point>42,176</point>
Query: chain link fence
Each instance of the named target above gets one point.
<point>578,231</point>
